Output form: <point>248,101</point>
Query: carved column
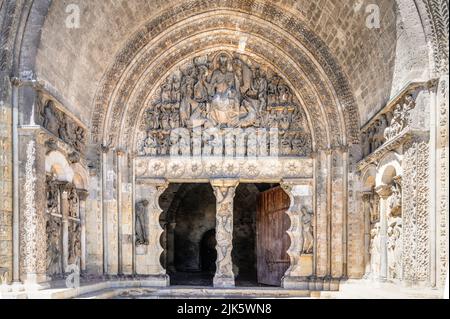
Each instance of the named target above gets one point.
<point>65,225</point>
<point>384,192</point>
<point>366,202</point>
<point>225,191</point>
<point>82,195</point>
<point>301,259</point>
<point>32,207</point>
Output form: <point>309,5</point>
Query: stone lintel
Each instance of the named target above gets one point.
<point>151,181</point>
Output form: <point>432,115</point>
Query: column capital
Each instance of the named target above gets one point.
<point>224,183</point>
<point>64,186</point>
<point>82,194</point>
<point>366,196</point>
<point>384,191</point>
<point>120,152</point>
<point>398,180</point>
<point>301,188</point>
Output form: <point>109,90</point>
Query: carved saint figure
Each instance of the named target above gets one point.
<point>394,246</point>
<point>72,198</point>
<point>78,142</point>
<point>51,122</point>
<point>141,216</point>
<point>375,251</point>
<point>395,201</point>
<point>52,196</point>
<point>308,233</point>
<point>272,91</point>
<point>53,229</point>
<point>74,244</point>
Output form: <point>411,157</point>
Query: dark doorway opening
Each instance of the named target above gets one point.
<point>190,235</point>
<point>208,252</point>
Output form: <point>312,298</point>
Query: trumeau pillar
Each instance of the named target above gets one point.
<point>301,217</point>
<point>148,244</point>
<point>225,191</point>
<point>384,192</point>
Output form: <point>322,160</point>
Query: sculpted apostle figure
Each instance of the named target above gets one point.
<point>141,213</point>
<point>308,237</point>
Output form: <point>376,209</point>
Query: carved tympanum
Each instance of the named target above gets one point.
<point>224,90</point>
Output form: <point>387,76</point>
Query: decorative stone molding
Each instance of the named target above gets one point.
<point>415,212</point>
<point>261,169</point>
<point>392,145</point>
<point>225,191</point>
<point>438,16</point>
<point>301,234</point>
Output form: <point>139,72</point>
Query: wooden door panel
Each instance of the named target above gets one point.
<point>272,238</point>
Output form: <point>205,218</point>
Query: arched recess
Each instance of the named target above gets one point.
<point>57,164</point>
<point>80,178</point>
<point>300,58</point>
<point>130,71</point>
<point>388,168</point>
<point>368,177</point>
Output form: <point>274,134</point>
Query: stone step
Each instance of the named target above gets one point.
<point>197,293</point>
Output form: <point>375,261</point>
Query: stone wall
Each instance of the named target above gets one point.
<point>361,50</point>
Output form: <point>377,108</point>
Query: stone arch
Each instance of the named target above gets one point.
<point>80,178</point>
<point>369,176</point>
<point>115,73</point>
<point>388,168</point>
<point>57,164</point>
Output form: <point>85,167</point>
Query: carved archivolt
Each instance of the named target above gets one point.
<point>294,30</point>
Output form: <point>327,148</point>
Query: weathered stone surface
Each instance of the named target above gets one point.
<point>95,89</point>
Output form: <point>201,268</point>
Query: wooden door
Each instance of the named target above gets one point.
<point>272,238</point>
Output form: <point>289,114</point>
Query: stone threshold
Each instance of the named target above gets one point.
<point>149,289</point>
<point>199,293</point>
<point>367,289</point>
